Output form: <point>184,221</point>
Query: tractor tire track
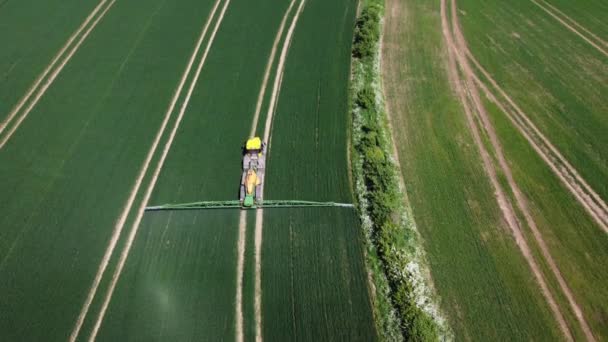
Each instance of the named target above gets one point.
<point>520,200</point>
<point>41,90</point>
<point>140,213</point>
<point>572,29</point>
<point>542,245</point>
<point>240,269</point>
<point>46,71</point>
<point>506,208</point>
<point>243,215</point>
<point>128,205</point>
<point>279,76</point>
<point>559,165</point>
<point>257,305</point>
<point>273,52</point>
<point>575,23</point>
<point>259,215</point>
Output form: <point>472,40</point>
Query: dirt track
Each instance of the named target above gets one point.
<point>570,177</point>
<point>455,55</point>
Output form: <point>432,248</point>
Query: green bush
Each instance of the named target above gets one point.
<point>381,189</point>
<point>366,98</point>
<point>367,32</point>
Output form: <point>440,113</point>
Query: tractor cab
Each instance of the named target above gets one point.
<point>254,146</point>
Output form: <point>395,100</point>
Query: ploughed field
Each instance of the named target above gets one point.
<point>149,103</point>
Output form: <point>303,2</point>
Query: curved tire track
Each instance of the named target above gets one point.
<point>520,200</point>
<point>454,57</point>
<point>566,173</point>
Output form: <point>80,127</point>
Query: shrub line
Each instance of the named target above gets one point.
<point>404,302</point>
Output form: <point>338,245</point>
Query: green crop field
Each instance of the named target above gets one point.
<point>498,116</point>
<point>312,259</point>
<point>80,260</point>
<point>32,33</point>
<point>591,13</point>
<point>309,255</point>
<point>180,280</point>
<point>68,170</point>
<point>558,79</point>
<point>555,76</point>
<point>483,282</point>
<point>309,151</point>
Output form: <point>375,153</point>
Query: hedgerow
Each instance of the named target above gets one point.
<point>404,307</point>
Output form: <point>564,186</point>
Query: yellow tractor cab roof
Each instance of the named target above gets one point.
<point>253,144</point>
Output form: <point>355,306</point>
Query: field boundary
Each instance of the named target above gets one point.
<point>405,303</point>
<point>40,90</point>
